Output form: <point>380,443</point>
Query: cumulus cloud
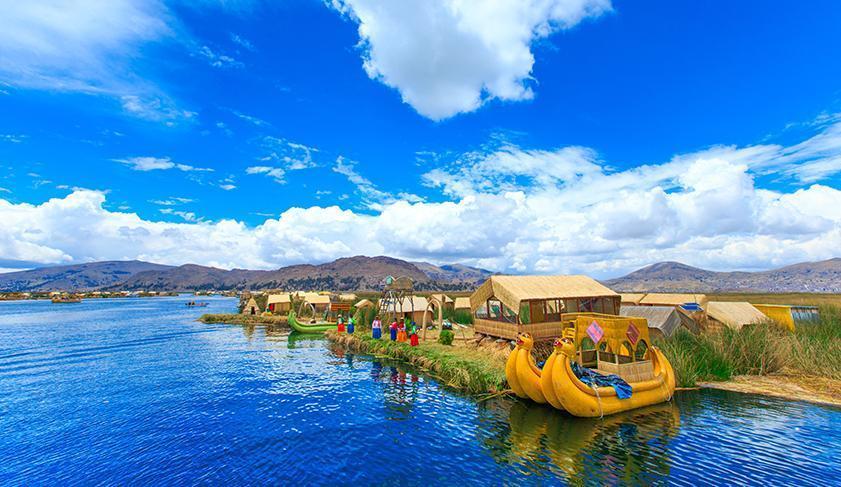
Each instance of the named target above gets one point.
<point>548,211</point>
<point>450,56</point>
<point>158,163</point>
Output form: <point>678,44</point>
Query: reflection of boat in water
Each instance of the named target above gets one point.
<point>316,327</point>
<point>586,449</point>
<point>593,346</point>
<point>296,339</point>
<point>66,300</point>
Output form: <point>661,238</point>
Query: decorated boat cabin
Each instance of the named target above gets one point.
<point>504,306</point>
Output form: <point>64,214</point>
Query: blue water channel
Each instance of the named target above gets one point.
<point>135,391</point>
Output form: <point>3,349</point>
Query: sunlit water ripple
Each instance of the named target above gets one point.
<point>135,391</point>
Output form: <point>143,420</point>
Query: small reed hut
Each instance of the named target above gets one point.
<point>734,314</point>
<point>279,303</point>
<point>462,304</point>
<point>504,306</point>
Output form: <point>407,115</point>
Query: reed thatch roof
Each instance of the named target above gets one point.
<point>669,299</point>
<point>664,318</point>
<point>408,305</point>
<point>734,314</point>
<point>317,299</point>
<point>364,303</point>
<point>633,298</point>
<point>278,298</point>
<point>441,297</point>
<point>511,290</point>
<point>347,297</point>
<point>462,303</point>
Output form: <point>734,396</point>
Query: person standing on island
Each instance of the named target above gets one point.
<point>413,335</point>
<point>340,327</point>
<point>351,324</point>
<point>393,329</point>
<point>401,331</point>
<point>376,328</point>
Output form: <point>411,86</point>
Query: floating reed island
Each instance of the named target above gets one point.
<point>724,341</point>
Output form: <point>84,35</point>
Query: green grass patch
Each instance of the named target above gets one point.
<point>239,319</point>
<point>814,349</point>
<point>469,370</point>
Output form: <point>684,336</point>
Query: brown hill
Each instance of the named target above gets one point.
<point>811,277</point>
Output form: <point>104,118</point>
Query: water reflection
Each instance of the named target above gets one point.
<point>628,447</point>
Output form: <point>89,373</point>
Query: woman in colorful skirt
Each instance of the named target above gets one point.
<point>376,328</point>
<point>351,325</point>
<point>413,335</point>
<point>401,332</point>
<point>393,329</point>
<point>340,327</point>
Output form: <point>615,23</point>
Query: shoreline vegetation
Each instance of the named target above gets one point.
<point>470,369</point>
<point>763,359</point>
<point>241,319</point>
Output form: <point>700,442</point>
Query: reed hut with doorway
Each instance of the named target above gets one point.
<point>504,306</point>
<point>251,307</point>
<point>411,308</point>
<point>279,303</point>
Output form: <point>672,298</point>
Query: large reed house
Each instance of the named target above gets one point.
<point>506,305</point>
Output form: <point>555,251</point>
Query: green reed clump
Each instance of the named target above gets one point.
<point>814,349</point>
<point>458,316</point>
<point>469,370</point>
<point>695,358</point>
<point>240,319</point>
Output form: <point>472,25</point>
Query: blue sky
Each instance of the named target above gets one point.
<point>525,136</point>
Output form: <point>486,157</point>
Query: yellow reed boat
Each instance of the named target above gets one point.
<point>606,344</point>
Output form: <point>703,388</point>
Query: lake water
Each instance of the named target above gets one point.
<point>135,391</point>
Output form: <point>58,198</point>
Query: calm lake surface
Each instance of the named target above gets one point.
<point>135,391</point>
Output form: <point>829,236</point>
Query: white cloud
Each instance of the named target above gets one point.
<point>156,109</point>
<point>13,138</point>
<point>4,190</point>
<point>276,173</point>
<point>218,60</point>
<point>158,163</point>
<point>447,57</point>
<point>172,201</point>
<point>227,186</point>
<point>188,216</point>
<point>242,42</point>
<point>558,210</point>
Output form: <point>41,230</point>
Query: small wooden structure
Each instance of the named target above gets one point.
<point>394,296</point>
<point>504,306</point>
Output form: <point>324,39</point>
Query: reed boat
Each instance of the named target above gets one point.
<point>66,300</point>
<point>591,347</point>
<point>317,327</point>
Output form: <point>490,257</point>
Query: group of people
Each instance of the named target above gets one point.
<point>351,325</point>
<point>398,331</point>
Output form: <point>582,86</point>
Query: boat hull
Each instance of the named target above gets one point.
<point>558,385</point>
<point>306,327</point>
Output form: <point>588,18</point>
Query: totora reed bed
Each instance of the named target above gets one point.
<point>467,368</point>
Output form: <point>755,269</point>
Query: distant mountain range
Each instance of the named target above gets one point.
<point>367,273</point>
<point>812,277</point>
<point>352,273</point>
